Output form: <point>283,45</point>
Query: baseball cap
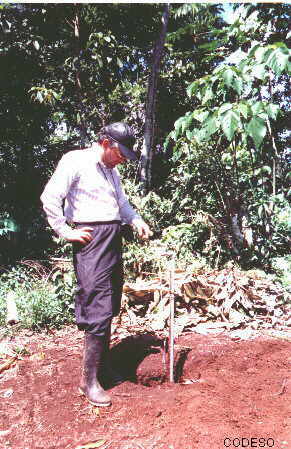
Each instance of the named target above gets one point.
<point>122,134</point>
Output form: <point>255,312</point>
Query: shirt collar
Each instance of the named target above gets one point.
<point>96,150</point>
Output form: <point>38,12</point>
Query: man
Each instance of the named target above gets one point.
<point>95,203</point>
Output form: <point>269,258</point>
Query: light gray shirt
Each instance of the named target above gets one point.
<point>91,192</point>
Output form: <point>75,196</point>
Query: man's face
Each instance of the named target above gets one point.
<point>112,156</point>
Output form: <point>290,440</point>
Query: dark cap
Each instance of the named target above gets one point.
<point>122,134</point>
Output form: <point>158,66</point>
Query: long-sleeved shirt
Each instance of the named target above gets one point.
<point>91,192</point>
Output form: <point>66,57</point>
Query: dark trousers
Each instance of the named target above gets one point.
<point>99,272</point>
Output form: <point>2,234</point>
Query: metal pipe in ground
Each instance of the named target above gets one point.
<point>172,320</point>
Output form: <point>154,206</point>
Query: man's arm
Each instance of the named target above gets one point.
<point>54,193</point>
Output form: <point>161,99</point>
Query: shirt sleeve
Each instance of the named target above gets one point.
<point>55,192</point>
<point>127,213</point>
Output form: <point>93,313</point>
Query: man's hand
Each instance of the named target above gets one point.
<point>82,235</point>
<point>143,229</point>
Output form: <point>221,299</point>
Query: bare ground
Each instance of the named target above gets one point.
<point>228,392</point>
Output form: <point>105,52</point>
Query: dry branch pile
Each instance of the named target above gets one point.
<point>228,298</point>
<point>218,299</point>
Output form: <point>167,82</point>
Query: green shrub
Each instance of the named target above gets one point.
<point>40,302</point>
<point>155,256</point>
<point>42,307</point>
<point>282,268</point>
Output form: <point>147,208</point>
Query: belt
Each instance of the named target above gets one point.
<point>93,223</point>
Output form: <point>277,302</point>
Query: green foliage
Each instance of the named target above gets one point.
<point>188,240</point>
<point>175,228</point>
<point>154,208</point>
<point>41,307</point>
<point>187,8</point>
<point>44,95</point>
<point>231,143</point>
<point>64,284</point>
<point>154,256</point>
<point>282,268</point>
<point>270,217</point>
<point>227,97</point>
<point>7,224</point>
<point>40,302</point>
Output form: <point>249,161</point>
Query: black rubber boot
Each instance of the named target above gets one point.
<point>90,387</point>
<point>107,375</point>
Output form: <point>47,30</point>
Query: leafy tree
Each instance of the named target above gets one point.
<point>236,115</point>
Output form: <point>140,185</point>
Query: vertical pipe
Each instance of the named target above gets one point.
<point>172,316</point>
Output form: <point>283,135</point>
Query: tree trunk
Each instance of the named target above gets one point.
<point>149,128</point>
<point>81,124</point>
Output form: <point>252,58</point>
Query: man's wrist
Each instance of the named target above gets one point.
<point>66,233</point>
<point>137,221</point>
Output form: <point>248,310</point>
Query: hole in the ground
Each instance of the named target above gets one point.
<point>127,356</point>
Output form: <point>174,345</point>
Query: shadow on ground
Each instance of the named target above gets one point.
<point>128,355</point>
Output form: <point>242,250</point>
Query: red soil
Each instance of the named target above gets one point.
<point>239,395</point>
